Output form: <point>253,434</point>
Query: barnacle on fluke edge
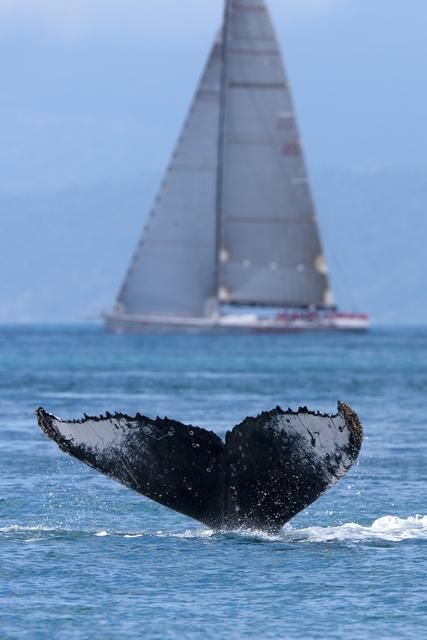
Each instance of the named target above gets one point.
<point>268,469</point>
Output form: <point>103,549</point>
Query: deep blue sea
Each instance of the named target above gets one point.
<point>83,557</point>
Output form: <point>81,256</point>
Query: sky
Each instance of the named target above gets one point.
<point>97,90</point>
<point>94,92</point>
<point>78,19</point>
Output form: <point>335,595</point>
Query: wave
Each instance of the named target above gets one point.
<point>17,528</point>
<point>386,529</point>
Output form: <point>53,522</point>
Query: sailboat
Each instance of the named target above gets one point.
<point>232,243</point>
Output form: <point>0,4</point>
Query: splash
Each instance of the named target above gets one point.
<point>187,534</point>
<point>17,528</point>
<point>387,529</point>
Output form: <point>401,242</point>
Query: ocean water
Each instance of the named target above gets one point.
<point>83,557</point>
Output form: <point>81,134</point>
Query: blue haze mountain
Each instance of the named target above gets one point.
<point>77,245</point>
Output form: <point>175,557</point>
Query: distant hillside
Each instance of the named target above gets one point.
<point>64,253</point>
<point>374,226</point>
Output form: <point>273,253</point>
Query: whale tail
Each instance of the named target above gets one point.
<point>268,469</point>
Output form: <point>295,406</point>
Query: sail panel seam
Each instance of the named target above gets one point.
<point>260,220</point>
<point>255,52</point>
<point>266,86</point>
<point>240,6</point>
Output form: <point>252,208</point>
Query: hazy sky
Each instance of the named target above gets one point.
<point>96,90</point>
<point>77,19</point>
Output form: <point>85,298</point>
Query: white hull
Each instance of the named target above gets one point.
<point>240,324</point>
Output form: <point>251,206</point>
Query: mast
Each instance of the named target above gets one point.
<point>221,132</point>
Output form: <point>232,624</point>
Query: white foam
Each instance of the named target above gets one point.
<point>195,533</point>
<point>387,528</point>
<point>17,528</point>
<point>187,534</point>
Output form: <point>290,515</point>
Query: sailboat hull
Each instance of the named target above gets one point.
<point>236,324</point>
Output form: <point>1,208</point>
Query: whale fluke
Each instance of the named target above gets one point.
<point>268,469</point>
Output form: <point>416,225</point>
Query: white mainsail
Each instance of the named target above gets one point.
<point>270,248</point>
<point>234,220</point>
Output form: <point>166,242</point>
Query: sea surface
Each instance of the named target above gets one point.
<point>83,557</point>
